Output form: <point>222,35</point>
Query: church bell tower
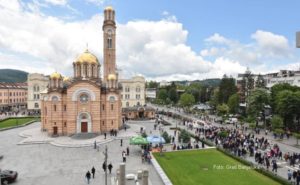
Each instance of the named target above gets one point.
<point>109,43</point>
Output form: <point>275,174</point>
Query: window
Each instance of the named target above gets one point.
<point>34,96</point>
<point>112,99</point>
<point>54,98</point>
<point>112,122</point>
<point>54,107</point>
<point>127,89</point>
<point>103,123</point>
<point>36,105</point>
<point>83,116</point>
<point>45,110</point>
<point>109,43</point>
<point>138,103</point>
<point>112,106</point>
<point>84,98</point>
<point>65,124</point>
<point>65,107</point>
<point>138,89</point>
<point>138,96</point>
<point>127,104</point>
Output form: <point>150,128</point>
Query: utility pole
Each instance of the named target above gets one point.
<point>106,164</point>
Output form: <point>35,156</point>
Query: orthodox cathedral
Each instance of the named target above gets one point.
<point>85,102</point>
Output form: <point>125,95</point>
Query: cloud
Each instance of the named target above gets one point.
<point>57,2</point>
<point>271,44</point>
<point>96,2</point>
<point>156,49</point>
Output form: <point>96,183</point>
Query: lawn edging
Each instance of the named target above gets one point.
<point>23,125</point>
<point>160,171</point>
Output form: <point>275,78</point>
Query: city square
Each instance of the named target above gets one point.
<point>149,93</point>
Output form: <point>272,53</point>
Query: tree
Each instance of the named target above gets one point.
<point>166,136</point>
<point>162,94</point>
<point>247,85</point>
<point>288,106</point>
<point>297,136</point>
<point>260,82</point>
<point>276,89</point>
<point>256,101</point>
<point>184,136</point>
<point>173,96</point>
<point>233,103</point>
<point>277,122</point>
<point>186,100</point>
<point>152,84</point>
<point>214,99</point>
<point>222,109</point>
<point>226,88</point>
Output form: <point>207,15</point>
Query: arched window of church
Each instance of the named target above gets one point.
<point>109,43</point>
<point>54,98</point>
<point>85,70</point>
<point>92,71</point>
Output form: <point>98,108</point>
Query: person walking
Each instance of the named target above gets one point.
<point>289,174</point>
<point>121,142</point>
<point>104,166</point>
<point>93,172</point>
<point>110,166</point>
<point>88,177</point>
<point>124,156</point>
<point>127,150</point>
<point>105,135</point>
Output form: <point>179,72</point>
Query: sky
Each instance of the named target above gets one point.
<point>159,39</point>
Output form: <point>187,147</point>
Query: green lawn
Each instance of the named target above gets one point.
<point>15,121</point>
<point>200,167</point>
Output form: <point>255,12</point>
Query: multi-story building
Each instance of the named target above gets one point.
<point>37,83</point>
<point>86,103</point>
<point>13,96</point>
<point>133,93</point>
<point>150,93</point>
<point>283,76</point>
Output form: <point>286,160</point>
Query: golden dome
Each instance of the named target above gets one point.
<point>87,57</point>
<point>111,77</point>
<point>66,79</point>
<point>109,8</point>
<point>55,75</point>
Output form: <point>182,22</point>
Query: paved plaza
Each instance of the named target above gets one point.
<point>46,164</point>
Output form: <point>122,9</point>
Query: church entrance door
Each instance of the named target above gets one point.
<point>84,126</point>
<point>54,131</point>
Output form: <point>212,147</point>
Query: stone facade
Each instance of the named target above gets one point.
<point>37,83</point>
<point>133,91</point>
<point>13,96</point>
<point>85,103</point>
<point>138,112</point>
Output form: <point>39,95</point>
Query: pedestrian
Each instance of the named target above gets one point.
<point>105,135</point>
<point>104,166</point>
<point>124,156</point>
<point>93,172</point>
<point>88,177</point>
<point>202,144</point>
<point>121,142</point>
<point>110,166</point>
<point>95,144</point>
<point>127,150</point>
<point>125,128</point>
<point>289,174</point>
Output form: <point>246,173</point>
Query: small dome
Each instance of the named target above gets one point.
<point>66,79</point>
<point>87,57</point>
<point>109,8</point>
<point>111,77</point>
<point>55,75</point>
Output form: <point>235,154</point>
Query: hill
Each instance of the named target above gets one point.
<point>12,75</point>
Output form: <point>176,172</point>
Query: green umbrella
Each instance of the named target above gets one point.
<point>138,140</point>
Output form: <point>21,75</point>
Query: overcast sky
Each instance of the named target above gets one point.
<point>160,39</point>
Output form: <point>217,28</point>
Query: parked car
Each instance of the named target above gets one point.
<point>8,176</point>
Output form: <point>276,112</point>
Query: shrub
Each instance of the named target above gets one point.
<point>166,136</point>
<point>185,136</point>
